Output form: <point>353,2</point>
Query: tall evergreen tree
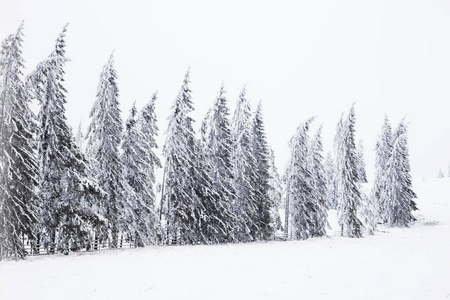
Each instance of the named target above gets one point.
<point>66,189</point>
<point>300,185</point>
<point>262,178</point>
<point>398,194</point>
<point>182,178</point>
<point>218,148</point>
<point>136,162</point>
<point>275,192</point>
<point>440,174</point>
<point>319,192</point>
<point>104,139</point>
<point>330,175</point>
<point>147,123</point>
<point>245,206</point>
<point>383,154</point>
<point>19,207</point>
<point>349,195</point>
<point>402,130</point>
<point>361,164</point>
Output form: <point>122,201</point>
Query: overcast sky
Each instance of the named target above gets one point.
<point>301,58</point>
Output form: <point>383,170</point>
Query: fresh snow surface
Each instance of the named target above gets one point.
<point>395,263</point>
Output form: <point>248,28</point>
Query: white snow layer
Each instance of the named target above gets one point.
<point>395,263</point>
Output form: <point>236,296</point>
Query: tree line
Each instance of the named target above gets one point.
<point>219,186</point>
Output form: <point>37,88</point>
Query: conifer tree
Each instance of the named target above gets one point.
<point>19,207</point>
<point>104,139</point>
<point>398,194</point>
<point>66,189</point>
<point>402,130</point>
<point>220,221</point>
<point>330,175</point>
<point>136,162</point>
<point>275,191</point>
<point>147,123</point>
<point>349,195</point>
<point>182,180</point>
<point>440,174</point>
<point>319,192</point>
<point>383,154</point>
<point>361,164</point>
<point>300,185</point>
<point>212,228</point>
<point>262,178</point>
<point>245,206</point>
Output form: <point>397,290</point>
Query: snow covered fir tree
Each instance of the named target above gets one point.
<point>19,202</point>
<point>61,193</point>
<point>396,194</point>
<point>245,206</point>
<point>262,179</point>
<point>216,150</point>
<point>305,205</point>
<point>182,193</point>
<point>392,190</point>
<point>66,190</point>
<point>349,194</point>
<point>138,161</point>
<point>104,140</point>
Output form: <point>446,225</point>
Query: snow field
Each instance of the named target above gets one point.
<point>396,263</point>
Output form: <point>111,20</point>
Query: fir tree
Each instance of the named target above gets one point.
<point>330,175</point>
<point>104,139</point>
<point>66,189</point>
<point>361,164</point>
<point>262,178</point>
<point>136,162</point>
<point>19,207</point>
<point>383,154</point>
<point>245,206</point>
<point>147,124</point>
<point>220,221</point>
<point>349,195</point>
<point>398,194</point>
<point>440,174</point>
<point>300,185</point>
<point>182,181</point>
<point>402,130</point>
<point>319,192</point>
<point>275,192</point>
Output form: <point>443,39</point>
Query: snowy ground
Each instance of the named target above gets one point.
<point>409,263</point>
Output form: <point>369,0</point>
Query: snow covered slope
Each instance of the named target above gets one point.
<point>410,263</point>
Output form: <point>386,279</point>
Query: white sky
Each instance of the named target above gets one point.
<point>301,58</point>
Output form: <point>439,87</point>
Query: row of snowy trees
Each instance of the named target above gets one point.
<point>313,187</point>
<point>220,185</point>
<point>392,191</point>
